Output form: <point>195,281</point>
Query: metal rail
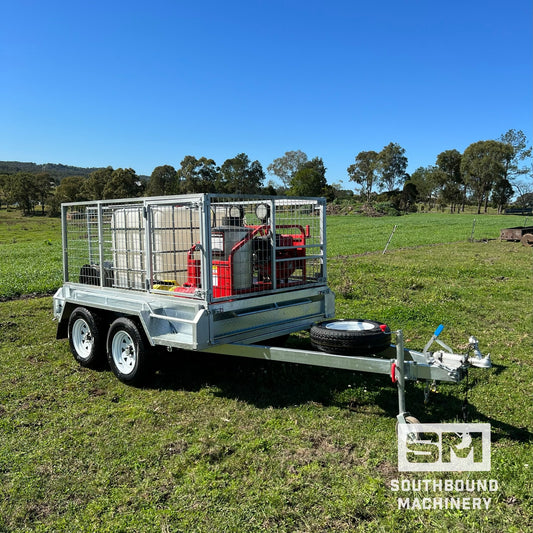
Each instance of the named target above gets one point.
<point>440,366</point>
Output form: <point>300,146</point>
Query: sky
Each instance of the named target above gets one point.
<point>136,84</point>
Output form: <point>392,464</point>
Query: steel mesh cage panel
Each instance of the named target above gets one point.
<point>208,247</point>
<point>265,245</point>
<point>106,243</point>
<point>127,229</point>
<point>174,233</point>
<point>82,244</point>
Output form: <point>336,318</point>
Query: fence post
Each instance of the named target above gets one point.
<point>390,239</point>
<point>472,233</point>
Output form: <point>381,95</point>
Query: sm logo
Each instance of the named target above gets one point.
<point>443,447</point>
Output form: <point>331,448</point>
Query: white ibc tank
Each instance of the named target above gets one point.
<point>174,230</point>
<point>127,233</point>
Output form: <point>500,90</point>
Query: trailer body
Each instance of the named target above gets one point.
<point>198,270</point>
<point>220,274</point>
<point>524,234</point>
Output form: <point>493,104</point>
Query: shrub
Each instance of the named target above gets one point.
<point>387,208</point>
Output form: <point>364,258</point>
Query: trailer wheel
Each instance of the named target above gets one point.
<point>127,352</point>
<point>527,239</point>
<point>86,338</point>
<point>411,436</point>
<point>351,337</point>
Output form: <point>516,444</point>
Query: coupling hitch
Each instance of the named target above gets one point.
<point>447,358</point>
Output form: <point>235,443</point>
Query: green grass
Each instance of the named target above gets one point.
<point>348,235</point>
<point>15,228</point>
<point>220,444</point>
<point>30,267</point>
<point>30,252</point>
<point>30,247</point>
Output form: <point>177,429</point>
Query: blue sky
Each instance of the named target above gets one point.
<point>141,84</point>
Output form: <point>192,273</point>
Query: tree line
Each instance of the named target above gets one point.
<point>491,171</point>
<point>237,175</point>
<point>487,171</point>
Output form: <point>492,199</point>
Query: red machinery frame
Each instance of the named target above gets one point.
<point>290,256</point>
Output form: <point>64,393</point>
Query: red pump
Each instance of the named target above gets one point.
<point>242,260</point>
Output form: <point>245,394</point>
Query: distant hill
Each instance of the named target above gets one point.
<point>57,171</point>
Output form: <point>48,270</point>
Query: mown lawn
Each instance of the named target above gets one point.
<point>220,444</point>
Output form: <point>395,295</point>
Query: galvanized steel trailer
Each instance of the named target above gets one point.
<point>219,274</point>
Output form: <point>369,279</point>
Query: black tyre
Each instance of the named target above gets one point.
<point>86,338</point>
<point>351,337</point>
<point>127,352</point>
<point>527,239</point>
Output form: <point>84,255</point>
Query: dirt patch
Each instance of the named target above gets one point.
<point>31,296</point>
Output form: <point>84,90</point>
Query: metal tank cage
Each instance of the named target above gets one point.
<point>208,247</point>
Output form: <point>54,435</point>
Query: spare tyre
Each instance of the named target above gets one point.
<point>351,337</point>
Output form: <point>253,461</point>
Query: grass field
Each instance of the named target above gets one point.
<point>220,444</point>
<point>30,249</point>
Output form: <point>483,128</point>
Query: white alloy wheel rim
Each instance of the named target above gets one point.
<point>82,338</point>
<point>124,353</point>
<point>350,325</point>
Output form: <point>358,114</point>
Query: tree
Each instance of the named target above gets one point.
<point>269,189</point>
<point>453,186</point>
<point>364,171</point>
<point>502,192</point>
<point>3,188</point>
<point>96,183</point>
<point>407,198</point>
<point>22,191</point>
<point>124,183</point>
<point>286,166</point>
<point>208,174</point>
<point>239,176</point>
<point>43,186</point>
<point>197,175</point>
<point>339,193</point>
<point>427,181</point>
<point>162,181</point>
<point>525,195</point>
<point>392,165</point>
<point>520,152</point>
<point>187,175</point>
<point>525,199</point>
<point>310,180</point>
<point>71,189</point>
<point>483,164</point>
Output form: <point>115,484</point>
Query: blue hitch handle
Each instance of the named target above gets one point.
<point>438,331</point>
